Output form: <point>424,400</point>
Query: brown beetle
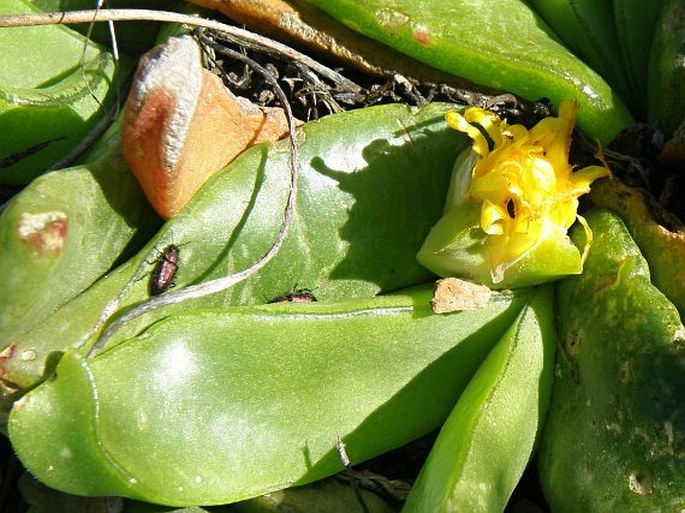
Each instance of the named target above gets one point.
<point>165,270</point>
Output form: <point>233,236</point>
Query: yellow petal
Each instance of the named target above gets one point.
<point>554,135</point>
<point>491,218</point>
<point>458,122</point>
<point>493,125</point>
<point>518,133</point>
<point>526,188</point>
<point>583,178</point>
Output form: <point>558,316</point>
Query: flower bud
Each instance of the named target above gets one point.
<point>512,199</point>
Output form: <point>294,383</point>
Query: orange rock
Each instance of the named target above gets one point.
<point>181,125</point>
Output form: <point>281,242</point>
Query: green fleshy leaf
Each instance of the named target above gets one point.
<point>500,44</point>
<point>614,438</point>
<point>372,182</point>
<point>219,405</point>
<point>48,100</point>
<point>64,231</point>
<point>488,439</point>
<point>588,29</point>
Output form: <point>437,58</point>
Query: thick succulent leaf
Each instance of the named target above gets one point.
<point>490,435</point>
<point>501,44</point>
<point>48,100</point>
<point>614,439</point>
<point>372,183</point>
<point>218,405</point>
<point>665,92</point>
<point>304,25</point>
<point>635,23</point>
<point>588,29</point>
<point>660,237</point>
<point>63,232</point>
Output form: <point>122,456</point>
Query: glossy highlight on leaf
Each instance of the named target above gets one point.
<point>372,182</point>
<point>500,44</point>
<point>490,436</point>
<point>218,405</point>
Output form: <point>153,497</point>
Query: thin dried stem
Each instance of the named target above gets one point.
<point>233,34</point>
<point>239,36</point>
<point>217,285</point>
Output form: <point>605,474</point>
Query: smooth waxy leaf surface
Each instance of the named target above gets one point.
<point>665,98</point>
<point>588,29</point>
<point>635,23</point>
<point>219,405</point>
<point>489,437</point>
<point>614,439</point>
<point>63,232</point>
<point>372,183</point>
<point>501,44</point>
<point>48,100</point>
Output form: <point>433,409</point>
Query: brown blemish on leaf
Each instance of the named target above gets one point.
<point>45,232</point>
<point>606,281</point>
<point>7,353</point>
<point>422,36</point>
<point>574,343</point>
<point>453,294</point>
<point>625,372</point>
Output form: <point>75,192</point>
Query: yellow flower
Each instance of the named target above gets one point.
<point>522,180</point>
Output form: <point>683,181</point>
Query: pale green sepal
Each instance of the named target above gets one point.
<point>456,246</point>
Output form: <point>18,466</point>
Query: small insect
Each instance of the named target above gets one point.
<point>296,296</point>
<point>165,270</point>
